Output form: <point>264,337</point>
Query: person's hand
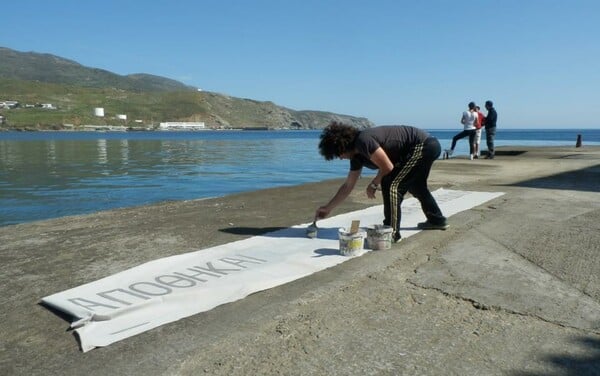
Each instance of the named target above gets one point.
<point>371,189</point>
<point>322,212</point>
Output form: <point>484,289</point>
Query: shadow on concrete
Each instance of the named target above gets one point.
<point>587,179</point>
<point>573,365</point>
<point>508,153</point>
<point>326,252</point>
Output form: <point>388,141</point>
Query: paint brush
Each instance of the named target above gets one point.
<point>311,230</point>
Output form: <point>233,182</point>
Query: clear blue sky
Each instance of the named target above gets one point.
<point>394,62</point>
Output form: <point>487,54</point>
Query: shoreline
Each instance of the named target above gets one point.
<point>502,151</point>
<point>117,129</point>
<point>257,128</point>
<point>478,298</point>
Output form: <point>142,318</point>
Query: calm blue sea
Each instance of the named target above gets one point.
<point>53,174</point>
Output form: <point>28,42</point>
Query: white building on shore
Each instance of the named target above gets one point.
<point>182,125</point>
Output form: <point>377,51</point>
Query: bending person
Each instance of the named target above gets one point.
<point>402,156</point>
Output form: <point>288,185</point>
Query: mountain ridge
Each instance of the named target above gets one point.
<point>32,77</point>
<point>45,67</point>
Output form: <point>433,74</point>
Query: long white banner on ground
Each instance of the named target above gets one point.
<point>171,288</point>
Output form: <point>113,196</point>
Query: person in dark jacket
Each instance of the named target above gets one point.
<point>490,128</point>
<point>402,156</point>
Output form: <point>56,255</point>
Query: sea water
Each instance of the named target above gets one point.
<point>53,174</point>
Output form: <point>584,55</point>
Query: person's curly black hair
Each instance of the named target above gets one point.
<point>337,138</point>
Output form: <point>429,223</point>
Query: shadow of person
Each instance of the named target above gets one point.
<point>330,233</point>
<point>252,231</point>
<point>413,228</point>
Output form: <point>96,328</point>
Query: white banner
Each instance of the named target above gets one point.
<point>171,288</point>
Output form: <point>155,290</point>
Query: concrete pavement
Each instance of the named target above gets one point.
<point>512,288</point>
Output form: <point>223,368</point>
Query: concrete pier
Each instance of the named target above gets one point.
<point>511,288</point>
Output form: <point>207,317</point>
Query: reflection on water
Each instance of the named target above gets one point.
<point>124,152</point>
<point>52,174</point>
<point>102,153</point>
<point>51,178</point>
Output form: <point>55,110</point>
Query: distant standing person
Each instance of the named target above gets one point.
<point>468,121</point>
<point>478,125</point>
<point>490,128</point>
<point>402,156</point>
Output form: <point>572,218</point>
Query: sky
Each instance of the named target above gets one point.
<point>393,62</point>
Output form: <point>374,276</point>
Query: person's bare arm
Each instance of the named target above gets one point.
<point>385,166</point>
<point>340,195</point>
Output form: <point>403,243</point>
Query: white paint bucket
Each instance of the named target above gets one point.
<point>379,237</point>
<point>351,244</point>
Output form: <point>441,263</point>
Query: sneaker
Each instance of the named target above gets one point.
<point>432,226</point>
<point>471,156</point>
<point>397,238</point>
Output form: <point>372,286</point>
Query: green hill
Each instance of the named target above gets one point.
<point>32,78</point>
<point>33,66</point>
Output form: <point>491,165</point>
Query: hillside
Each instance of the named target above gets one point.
<point>31,78</point>
<point>32,66</point>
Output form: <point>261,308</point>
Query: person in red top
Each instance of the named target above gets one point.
<point>479,123</point>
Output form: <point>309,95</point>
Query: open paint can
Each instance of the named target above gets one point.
<point>351,244</point>
<point>379,237</point>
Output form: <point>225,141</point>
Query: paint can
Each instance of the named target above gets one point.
<point>351,244</point>
<point>379,237</point>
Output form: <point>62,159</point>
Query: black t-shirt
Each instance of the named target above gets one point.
<point>396,140</point>
<point>492,117</point>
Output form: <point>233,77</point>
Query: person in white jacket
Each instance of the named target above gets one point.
<point>468,121</point>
